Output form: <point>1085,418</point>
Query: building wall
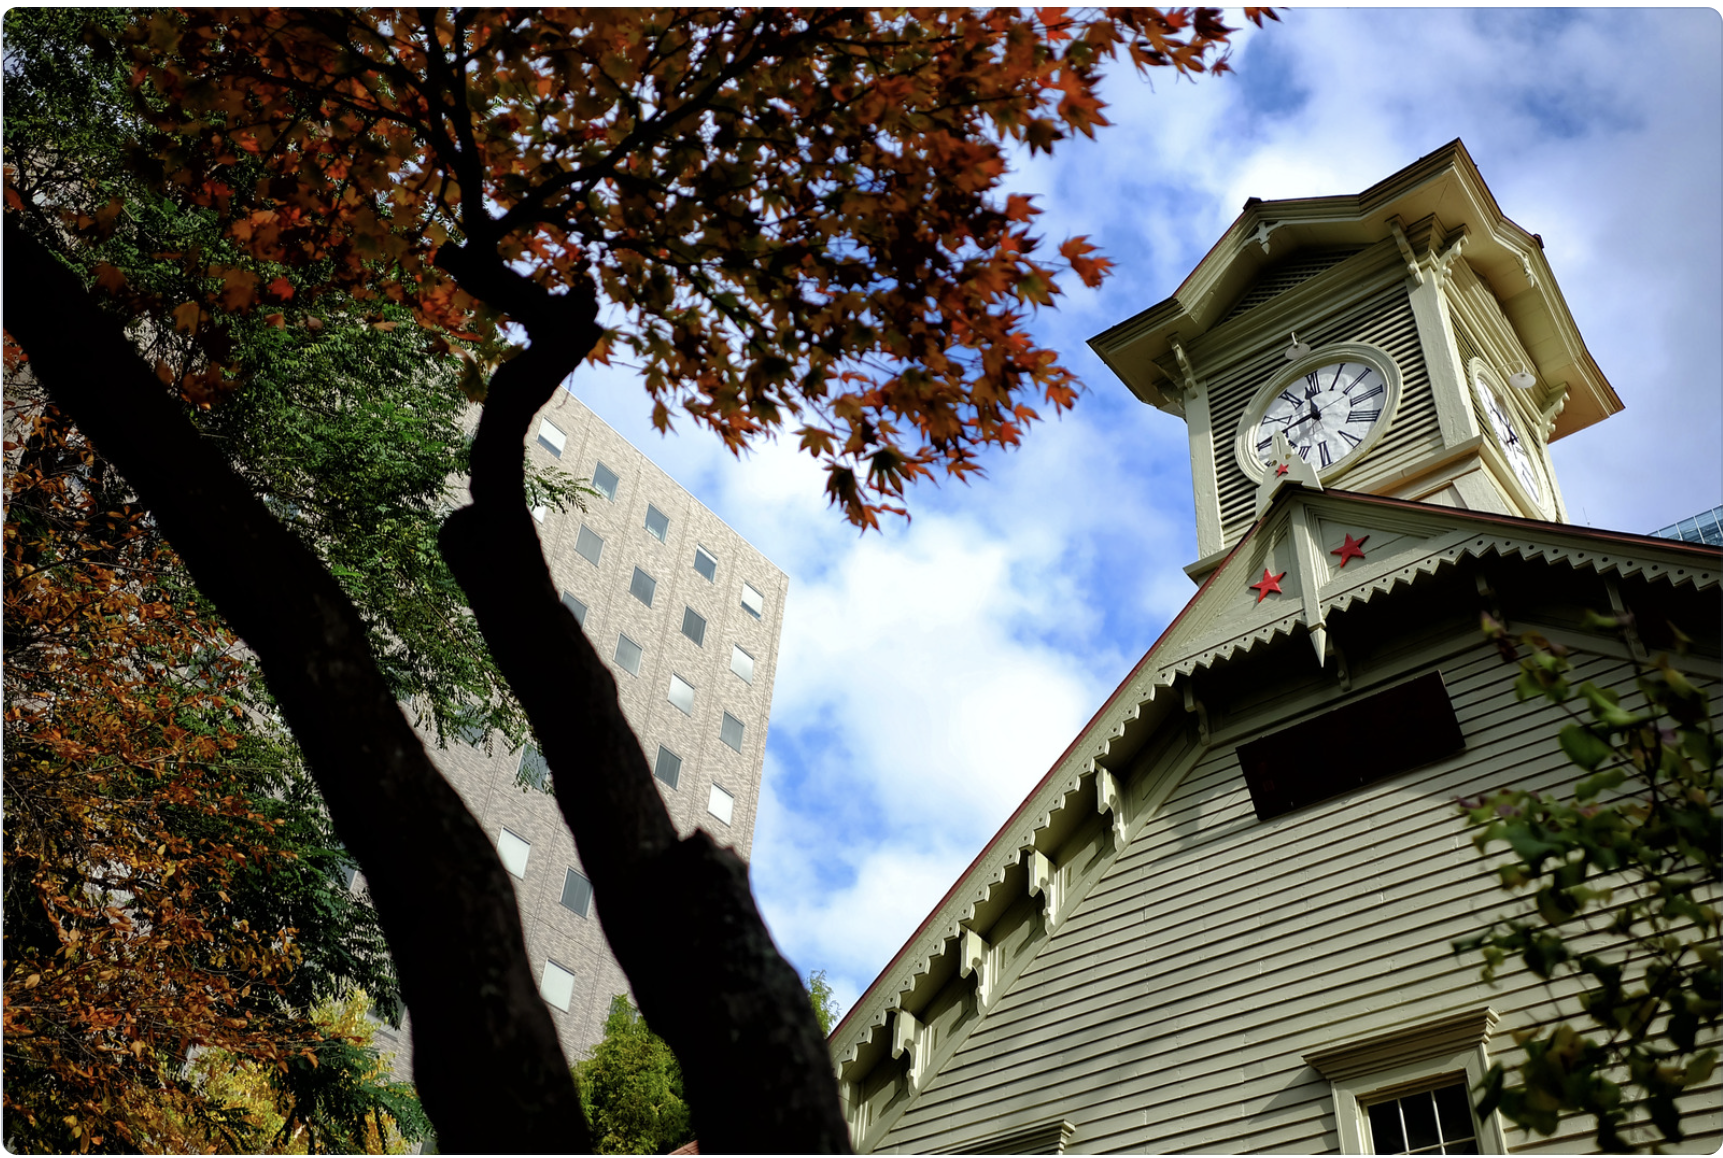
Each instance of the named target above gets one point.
<point>487,779</point>
<point>1171,1010</point>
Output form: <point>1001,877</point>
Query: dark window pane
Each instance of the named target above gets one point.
<point>576,606</point>
<point>1469,1146</point>
<point>668,767</point>
<point>694,626</point>
<point>1419,1112</point>
<point>1454,1114</point>
<point>657,522</point>
<point>576,893</point>
<point>643,587</point>
<point>731,731</point>
<point>533,768</point>
<point>705,564</point>
<point>589,545</point>
<point>1385,1134</point>
<point>604,481</point>
<point>628,655</point>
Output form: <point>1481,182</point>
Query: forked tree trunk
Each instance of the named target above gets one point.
<point>679,913</point>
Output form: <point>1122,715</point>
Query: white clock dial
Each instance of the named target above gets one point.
<point>1502,424</point>
<point>1326,415</point>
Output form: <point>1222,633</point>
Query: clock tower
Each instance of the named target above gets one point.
<point>1407,341</point>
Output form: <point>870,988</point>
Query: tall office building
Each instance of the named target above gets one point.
<point>687,614</point>
<point>1705,527</point>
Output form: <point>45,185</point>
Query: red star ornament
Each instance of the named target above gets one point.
<point>1281,469</point>
<point>1350,549</point>
<point>1269,583</point>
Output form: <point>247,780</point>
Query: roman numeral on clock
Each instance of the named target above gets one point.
<point>1364,415</point>
<point>1350,441</point>
<point>1323,448</point>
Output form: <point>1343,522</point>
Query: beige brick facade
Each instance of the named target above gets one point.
<point>556,934</point>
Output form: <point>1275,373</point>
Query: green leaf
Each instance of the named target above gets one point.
<point>1584,749</point>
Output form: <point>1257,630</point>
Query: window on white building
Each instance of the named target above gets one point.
<point>514,851</point>
<point>628,655</point>
<point>742,664</point>
<point>589,545</point>
<point>682,694</point>
<point>576,606</point>
<point>705,564</point>
<point>668,766</point>
<point>551,438</point>
<point>694,626</point>
<point>643,587</point>
<point>657,522</point>
<point>533,770</point>
<point>752,601</point>
<point>576,893</point>
<point>604,481</point>
<point>731,732</point>
<point>556,985</point>
<point>721,804</point>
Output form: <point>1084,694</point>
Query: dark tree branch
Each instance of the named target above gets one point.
<point>487,1060</point>
<point>679,913</point>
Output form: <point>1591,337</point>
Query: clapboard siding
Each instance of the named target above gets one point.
<point>1169,1013</point>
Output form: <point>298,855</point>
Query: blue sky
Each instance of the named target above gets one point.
<point>930,674</point>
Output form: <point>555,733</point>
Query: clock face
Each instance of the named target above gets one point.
<point>1326,415</point>
<point>1502,423</point>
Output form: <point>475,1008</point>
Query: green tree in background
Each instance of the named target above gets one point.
<point>827,1011</point>
<point>1623,880</point>
<point>631,1088</point>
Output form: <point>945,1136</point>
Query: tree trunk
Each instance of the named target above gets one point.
<point>679,913</point>
<point>486,1057</point>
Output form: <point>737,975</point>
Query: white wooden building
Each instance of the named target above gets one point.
<point>1222,921</point>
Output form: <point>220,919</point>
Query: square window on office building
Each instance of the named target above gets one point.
<point>668,766</point>
<point>682,694</point>
<point>551,438</point>
<point>576,607</point>
<point>705,564</point>
<point>589,545</point>
<point>657,522</point>
<point>628,655</point>
<point>721,804</point>
<point>539,512</point>
<point>731,731</point>
<point>752,601</point>
<point>742,664</point>
<point>643,587</point>
<point>694,626</point>
<point>533,769</point>
<point>604,481</point>
<point>556,985</point>
<point>576,893</point>
<point>514,851</point>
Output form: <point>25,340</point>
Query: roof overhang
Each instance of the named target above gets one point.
<point>1444,184</point>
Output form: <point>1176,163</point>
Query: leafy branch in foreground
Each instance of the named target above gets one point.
<point>1623,883</point>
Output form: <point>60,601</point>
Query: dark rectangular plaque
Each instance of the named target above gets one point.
<point>1407,726</point>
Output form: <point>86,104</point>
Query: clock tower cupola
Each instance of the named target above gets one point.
<point>1407,341</point>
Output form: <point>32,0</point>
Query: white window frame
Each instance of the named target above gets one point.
<point>1457,1046</point>
<point>671,694</point>
<point>650,511</point>
<point>639,654</point>
<point>719,797</point>
<point>609,496</point>
<point>544,980</point>
<point>758,612</point>
<point>525,852</point>
<point>736,653</point>
<point>699,551</point>
<point>552,437</point>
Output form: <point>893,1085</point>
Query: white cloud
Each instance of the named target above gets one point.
<point>930,674</point>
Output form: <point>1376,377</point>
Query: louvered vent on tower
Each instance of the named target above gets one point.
<point>1283,277</point>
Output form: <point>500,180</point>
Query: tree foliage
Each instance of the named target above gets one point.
<point>827,1011</point>
<point>172,882</point>
<point>786,221</point>
<point>1623,883</point>
<point>631,1088</point>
